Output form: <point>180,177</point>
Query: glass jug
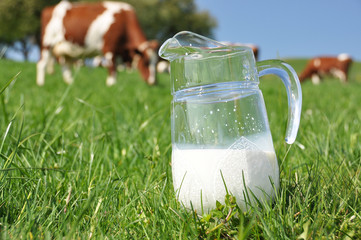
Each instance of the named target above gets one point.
<point>221,140</point>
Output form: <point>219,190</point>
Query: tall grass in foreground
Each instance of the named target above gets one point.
<point>87,161</point>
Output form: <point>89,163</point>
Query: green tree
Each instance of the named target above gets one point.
<point>161,19</point>
<point>20,22</point>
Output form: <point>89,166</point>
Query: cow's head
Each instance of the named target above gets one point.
<point>147,59</point>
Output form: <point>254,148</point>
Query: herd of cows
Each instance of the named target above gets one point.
<point>110,31</point>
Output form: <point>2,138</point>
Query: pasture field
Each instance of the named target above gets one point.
<point>89,161</point>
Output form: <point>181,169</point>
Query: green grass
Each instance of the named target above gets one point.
<point>88,160</point>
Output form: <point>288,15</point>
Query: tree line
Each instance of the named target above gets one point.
<point>160,19</point>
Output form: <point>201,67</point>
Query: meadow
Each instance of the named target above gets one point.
<point>89,161</point>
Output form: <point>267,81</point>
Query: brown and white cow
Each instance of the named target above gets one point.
<point>318,67</point>
<point>71,31</point>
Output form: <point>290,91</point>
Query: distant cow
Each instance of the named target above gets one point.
<point>254,47</point>
<point>71,31</point>
<point>318,67</point>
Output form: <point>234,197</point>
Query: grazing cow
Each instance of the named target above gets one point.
<point>317,67</point>
<point>71,31</point>
<point>255,48</point>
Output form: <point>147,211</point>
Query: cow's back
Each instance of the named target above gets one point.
<point>78,20</point>
<point>86,24</point>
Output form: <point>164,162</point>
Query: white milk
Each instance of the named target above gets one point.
<point>197,177</point>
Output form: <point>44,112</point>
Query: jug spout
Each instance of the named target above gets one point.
<point>168,49</point>
<point>185,44</point>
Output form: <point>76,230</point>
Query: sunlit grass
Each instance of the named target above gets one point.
<point>87,160</point>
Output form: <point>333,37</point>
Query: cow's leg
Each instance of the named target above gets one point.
<point>66,70</point>
<point>316,79</point>
<point>135,62</point>
<point>98,61</point>
<point>339,74</point>
<point>112,78</point>
<point>50,65</point>
<point>152,67</point>
<point>112,71</point>
<point>41,65</point>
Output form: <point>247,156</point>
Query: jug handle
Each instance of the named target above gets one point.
<point>294,93</point>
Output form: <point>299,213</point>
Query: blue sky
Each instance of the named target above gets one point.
<point>290,28</point>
